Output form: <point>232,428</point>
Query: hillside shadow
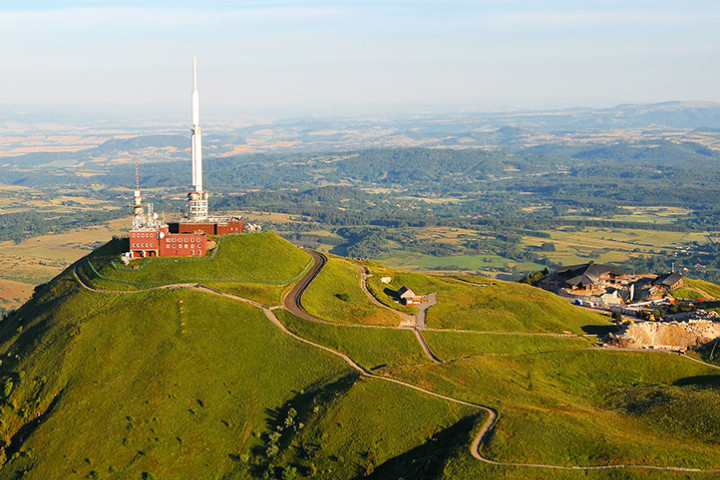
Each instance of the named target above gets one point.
<point>426,461</point>
<point>17,440</point>
<point>116,246</point>
<point>704,381</point>
<point>305,405</point>
<point>599,330</point>
<point>340,250</point>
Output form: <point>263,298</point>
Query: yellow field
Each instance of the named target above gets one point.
<point>610,244</point>
<point>37,260</point>
<point>13,294</point>
<point>445,234</point>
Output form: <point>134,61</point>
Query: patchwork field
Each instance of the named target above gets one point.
<point>610,245</point>
<point>489,265</point>
<point>36,260</point>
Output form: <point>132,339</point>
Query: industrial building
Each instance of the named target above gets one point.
<point>158,242</point>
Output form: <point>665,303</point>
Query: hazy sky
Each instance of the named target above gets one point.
<point>361,55</point>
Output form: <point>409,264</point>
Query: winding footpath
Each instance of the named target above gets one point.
<point>293,304</point>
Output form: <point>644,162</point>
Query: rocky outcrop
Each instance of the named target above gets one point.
<point>679,334</point>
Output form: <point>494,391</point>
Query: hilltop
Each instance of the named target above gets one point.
<point>207,368</point>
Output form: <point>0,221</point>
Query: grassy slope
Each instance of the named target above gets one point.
<point>373,425</point>
<point>188,385</point>
<point>183,384</point>
<point>558,402</point>
<point>500,307</point>
<point>508,307</point>
<point>336,295</point>
<point>371,348</point>
<point>694,288</point>
<point>178,382</point>
<point>246,258</point>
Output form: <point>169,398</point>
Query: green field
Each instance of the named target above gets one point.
<point>194,375</point>
<point>335,295</point>
<point>565,405</point>
<point>704,289</point>
<point>263,258</point>
<point>185,362</point>
<point>371,348</point>
<point>609,244</point>
<point>501,306</point>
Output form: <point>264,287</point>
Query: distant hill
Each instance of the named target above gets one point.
<point>666,115</point>
<point>144,141</point>
<point>114,145</point>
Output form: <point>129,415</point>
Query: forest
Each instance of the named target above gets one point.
<point>372,202</point>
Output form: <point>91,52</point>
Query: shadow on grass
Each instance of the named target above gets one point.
<point>114,247</point>
<point>17,440</point>
<point>427,461</point>
<point>390,292</point>
<point>705,381</point>
<point>289,421</point>
<point>340,250</point>
<point>599,330</point>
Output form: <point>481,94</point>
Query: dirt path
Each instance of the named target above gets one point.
<point>492,414</point>
<point>174,286</point>
<point>406,320</point>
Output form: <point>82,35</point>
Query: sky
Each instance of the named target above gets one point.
<point>368,56</point>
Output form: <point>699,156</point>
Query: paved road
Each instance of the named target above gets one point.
<point>492,414</point>
<point>293,300</point>
<point>422,310</point>
<point>406,320</point>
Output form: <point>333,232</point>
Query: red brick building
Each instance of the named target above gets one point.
<point>159,242</point>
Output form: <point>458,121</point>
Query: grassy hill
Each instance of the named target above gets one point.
<point>184,384</point>
<point>695,288</point>
<point>336,296</point>
<point>499,306</point>
<point>258,266</point>
<point>189,384</point>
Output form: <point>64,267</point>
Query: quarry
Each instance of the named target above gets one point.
<point>677,333</point>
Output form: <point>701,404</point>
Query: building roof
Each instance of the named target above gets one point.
<point>405,292</point>
<point>587,273</point>
<point>580,281</point>
<point>216,219</point>
<point>668,279</point>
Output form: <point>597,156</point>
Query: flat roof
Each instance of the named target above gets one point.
<point>217,219</point>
